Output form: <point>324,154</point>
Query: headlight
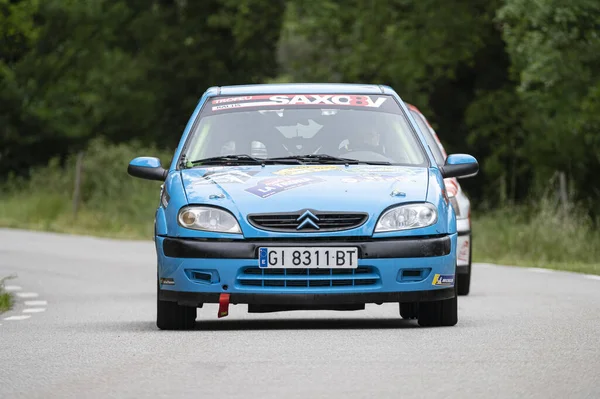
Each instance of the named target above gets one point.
<point>406,217</point>
<point>208,219</point>
<point>454,204</point>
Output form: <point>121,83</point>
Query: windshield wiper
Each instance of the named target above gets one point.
<point>239,159</point>
<point>244,159</point>
<point>326,158</point>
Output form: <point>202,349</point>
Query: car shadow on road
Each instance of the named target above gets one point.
<point>271,324</point>
<point>303,324</point>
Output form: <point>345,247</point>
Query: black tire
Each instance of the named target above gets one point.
<point>463,281</point>
<point>409,310</point>
<point>438,313</point>
<point>171,316</point>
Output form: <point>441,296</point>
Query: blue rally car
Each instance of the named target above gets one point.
<point>304,197</point>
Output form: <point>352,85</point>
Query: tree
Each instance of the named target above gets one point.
<point>555,52</point>
<point>443,57</point>
<point>121,69</point>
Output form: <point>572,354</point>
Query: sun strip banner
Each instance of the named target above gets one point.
<point>350,100</point>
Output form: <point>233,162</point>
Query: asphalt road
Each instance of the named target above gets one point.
<point>522,333</point>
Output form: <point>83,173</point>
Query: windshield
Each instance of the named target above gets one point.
<point>356,127</point>
<point>435,149</point>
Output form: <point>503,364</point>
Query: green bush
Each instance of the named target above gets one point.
<point>112,202</point>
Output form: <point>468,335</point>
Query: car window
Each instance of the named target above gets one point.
<point>366,128</point>
<point>435,149</point>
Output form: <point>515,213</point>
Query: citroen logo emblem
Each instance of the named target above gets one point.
<point>307,219</point>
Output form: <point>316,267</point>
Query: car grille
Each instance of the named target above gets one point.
<point>297,221</point>
<point>308,278</point>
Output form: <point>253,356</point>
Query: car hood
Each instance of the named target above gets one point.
<point>281,188</point>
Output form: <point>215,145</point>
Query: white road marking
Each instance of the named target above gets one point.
<point>34,310</point>
<point>592,277</point>
<point>27,294</point>
<point>22,317</point>
<point>36,303</point>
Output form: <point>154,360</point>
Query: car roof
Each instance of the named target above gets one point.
<point>413,108</point>
<point>300,88</point>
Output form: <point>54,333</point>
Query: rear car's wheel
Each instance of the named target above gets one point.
<point>171,316</point>
<point>463,280</point>
<point>409,310</point>
<point>438,313</point>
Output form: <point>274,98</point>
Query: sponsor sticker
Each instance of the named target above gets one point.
<point>231,176</point>
<point>299,99</point>
<point>234,99</point>
<point>268,187</point>
<point>443,279</point>
<point>302,170</point>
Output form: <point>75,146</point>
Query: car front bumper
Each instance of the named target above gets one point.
<point>193,272</point>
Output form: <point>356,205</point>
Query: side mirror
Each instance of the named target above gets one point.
<point>460,166</point>
<point>148,168</point>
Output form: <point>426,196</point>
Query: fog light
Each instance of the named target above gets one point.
<point>205,276</point>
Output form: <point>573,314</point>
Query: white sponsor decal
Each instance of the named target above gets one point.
<point>300,99</point>
<point>231,99</point>
<point>328,99</point>
<point>234,176</point>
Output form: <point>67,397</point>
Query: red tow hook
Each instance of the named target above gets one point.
<point>223,305</point>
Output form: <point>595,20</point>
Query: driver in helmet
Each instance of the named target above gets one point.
<point>367,140</point>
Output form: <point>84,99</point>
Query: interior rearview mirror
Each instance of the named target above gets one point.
<point>148,168</point>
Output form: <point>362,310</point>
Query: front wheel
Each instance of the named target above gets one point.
<point>172,316</point>
<point>438,313</point>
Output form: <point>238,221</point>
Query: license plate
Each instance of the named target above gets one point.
<point>308,258</point>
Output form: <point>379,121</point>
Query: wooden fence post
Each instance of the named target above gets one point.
<point>563,192</point>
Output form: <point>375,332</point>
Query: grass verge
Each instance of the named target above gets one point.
<point>540,235</point>
<point>5,297</point>
<point>29,213</point>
